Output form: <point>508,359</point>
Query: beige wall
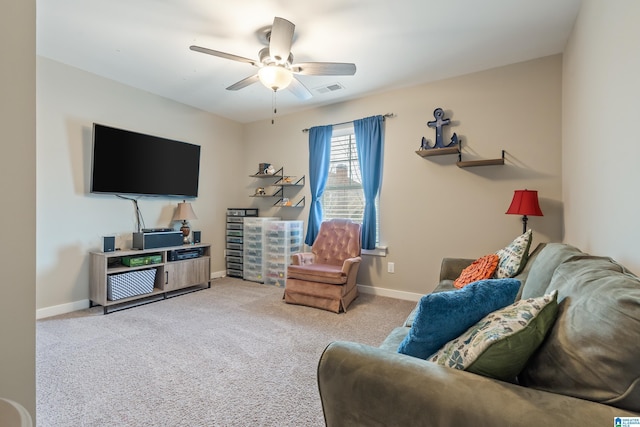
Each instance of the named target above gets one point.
<point>429,207</point>
<point>18,192</point>
<point>71,222</point>
<point>601,148</point>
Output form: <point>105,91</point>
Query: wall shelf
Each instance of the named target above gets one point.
<point>460,163</point>
<point>437,151</point>
<point>282,181</point>
<point>473,163</point>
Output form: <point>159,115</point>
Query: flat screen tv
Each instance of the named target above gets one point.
<point>126,162</point>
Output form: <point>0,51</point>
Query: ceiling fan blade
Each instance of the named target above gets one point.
<point>223,55</point>
<point>244,82</point>
<point>299,90</point>
<point>281,39</point>
<point>324,68</point>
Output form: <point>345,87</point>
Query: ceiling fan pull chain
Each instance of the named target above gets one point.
<point>274,105</point>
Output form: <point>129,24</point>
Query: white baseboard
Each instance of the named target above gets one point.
<point>391,293</point>
<point>62,309</point>
<point>82,304</point>
<point>218,274</point>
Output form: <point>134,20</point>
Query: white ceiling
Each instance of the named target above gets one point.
<point>145,43</point>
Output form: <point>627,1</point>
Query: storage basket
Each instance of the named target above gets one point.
<point>130,284</point>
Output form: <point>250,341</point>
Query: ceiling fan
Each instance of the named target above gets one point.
<point>275,64</point>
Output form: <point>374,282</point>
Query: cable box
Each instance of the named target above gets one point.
<point>157,230</point>
<point>181,254</point>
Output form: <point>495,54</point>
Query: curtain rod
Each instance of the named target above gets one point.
<point>385,116</point>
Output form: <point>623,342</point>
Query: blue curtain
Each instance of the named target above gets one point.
<point>319,157</point>
<point>369,146</point>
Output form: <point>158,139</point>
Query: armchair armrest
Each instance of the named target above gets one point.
<point>303,258</point>
<point>451,268</point>
<point>362,385</point>
<point>349,263</point>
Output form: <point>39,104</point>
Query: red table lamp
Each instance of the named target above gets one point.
<point>525,202</point>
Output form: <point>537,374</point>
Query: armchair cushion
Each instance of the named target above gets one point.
<point>325,273</point>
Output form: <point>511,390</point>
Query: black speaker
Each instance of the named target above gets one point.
<point>160,239</point>
<point>108,244</point>
<point>196,236</point>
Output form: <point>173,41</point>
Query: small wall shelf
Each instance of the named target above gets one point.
<point>437,151</point>
<point>460,163</point>
<point>283,181</point>
<point>299,204</point>
<point>472,163</point>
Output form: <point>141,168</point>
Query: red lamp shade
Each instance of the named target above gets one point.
<point>525,202</point>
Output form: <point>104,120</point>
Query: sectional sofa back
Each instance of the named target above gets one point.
<point>593,350</point>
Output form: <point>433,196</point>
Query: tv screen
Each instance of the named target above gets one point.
<point>126,162</point>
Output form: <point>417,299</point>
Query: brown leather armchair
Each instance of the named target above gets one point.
<point>326,277</point>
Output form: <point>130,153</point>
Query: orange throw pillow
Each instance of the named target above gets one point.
<point>482,268</point>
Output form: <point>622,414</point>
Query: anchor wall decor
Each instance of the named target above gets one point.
<point>438,123</point>
<point>453,147</point>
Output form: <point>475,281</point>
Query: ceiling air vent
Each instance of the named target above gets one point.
<point>329,88</point>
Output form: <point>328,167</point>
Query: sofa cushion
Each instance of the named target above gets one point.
<point>393,340</point>
<point>442,316</point>
<point>500,344</point>
<point>592,352</point>
<point>524,274</point>
<point>543,267</point>
<point>480,269</point>
<point>513,257</point>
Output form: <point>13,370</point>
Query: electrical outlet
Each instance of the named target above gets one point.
<point>391,267</point>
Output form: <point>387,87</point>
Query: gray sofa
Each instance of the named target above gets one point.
<point>585,373</point>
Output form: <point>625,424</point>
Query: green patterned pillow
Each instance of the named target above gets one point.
<point>514,257</point>
<point>500,344</point>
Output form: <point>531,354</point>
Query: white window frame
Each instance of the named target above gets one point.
<point>353,177</point>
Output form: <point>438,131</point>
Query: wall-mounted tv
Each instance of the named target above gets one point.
<point>126,162</point>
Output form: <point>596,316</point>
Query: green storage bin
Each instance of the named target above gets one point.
<point>137,261</point>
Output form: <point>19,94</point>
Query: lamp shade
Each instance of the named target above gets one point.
<point>275,77</point>
<point>183,212</point>
<point>525,202</point>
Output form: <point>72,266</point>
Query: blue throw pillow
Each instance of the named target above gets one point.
<point>443,316</point>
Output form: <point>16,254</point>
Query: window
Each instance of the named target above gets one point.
<point>343,195</point>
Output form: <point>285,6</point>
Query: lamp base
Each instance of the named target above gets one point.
<point>185,232</point>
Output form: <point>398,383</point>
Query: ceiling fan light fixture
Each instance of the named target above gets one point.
<point>275,77</point>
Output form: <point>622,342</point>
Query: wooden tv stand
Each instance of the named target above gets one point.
<point>171,277</point>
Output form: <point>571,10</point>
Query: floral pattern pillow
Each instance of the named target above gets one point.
<point>513,257</point>
<point>500,344</point>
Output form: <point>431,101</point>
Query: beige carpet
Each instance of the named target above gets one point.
<point>232,355</point>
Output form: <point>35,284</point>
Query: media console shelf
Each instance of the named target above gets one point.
<point>170,275</point>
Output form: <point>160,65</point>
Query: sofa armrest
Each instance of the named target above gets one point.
<point>302,258</point>
<point>450,268</point>
<point>362,385</point>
